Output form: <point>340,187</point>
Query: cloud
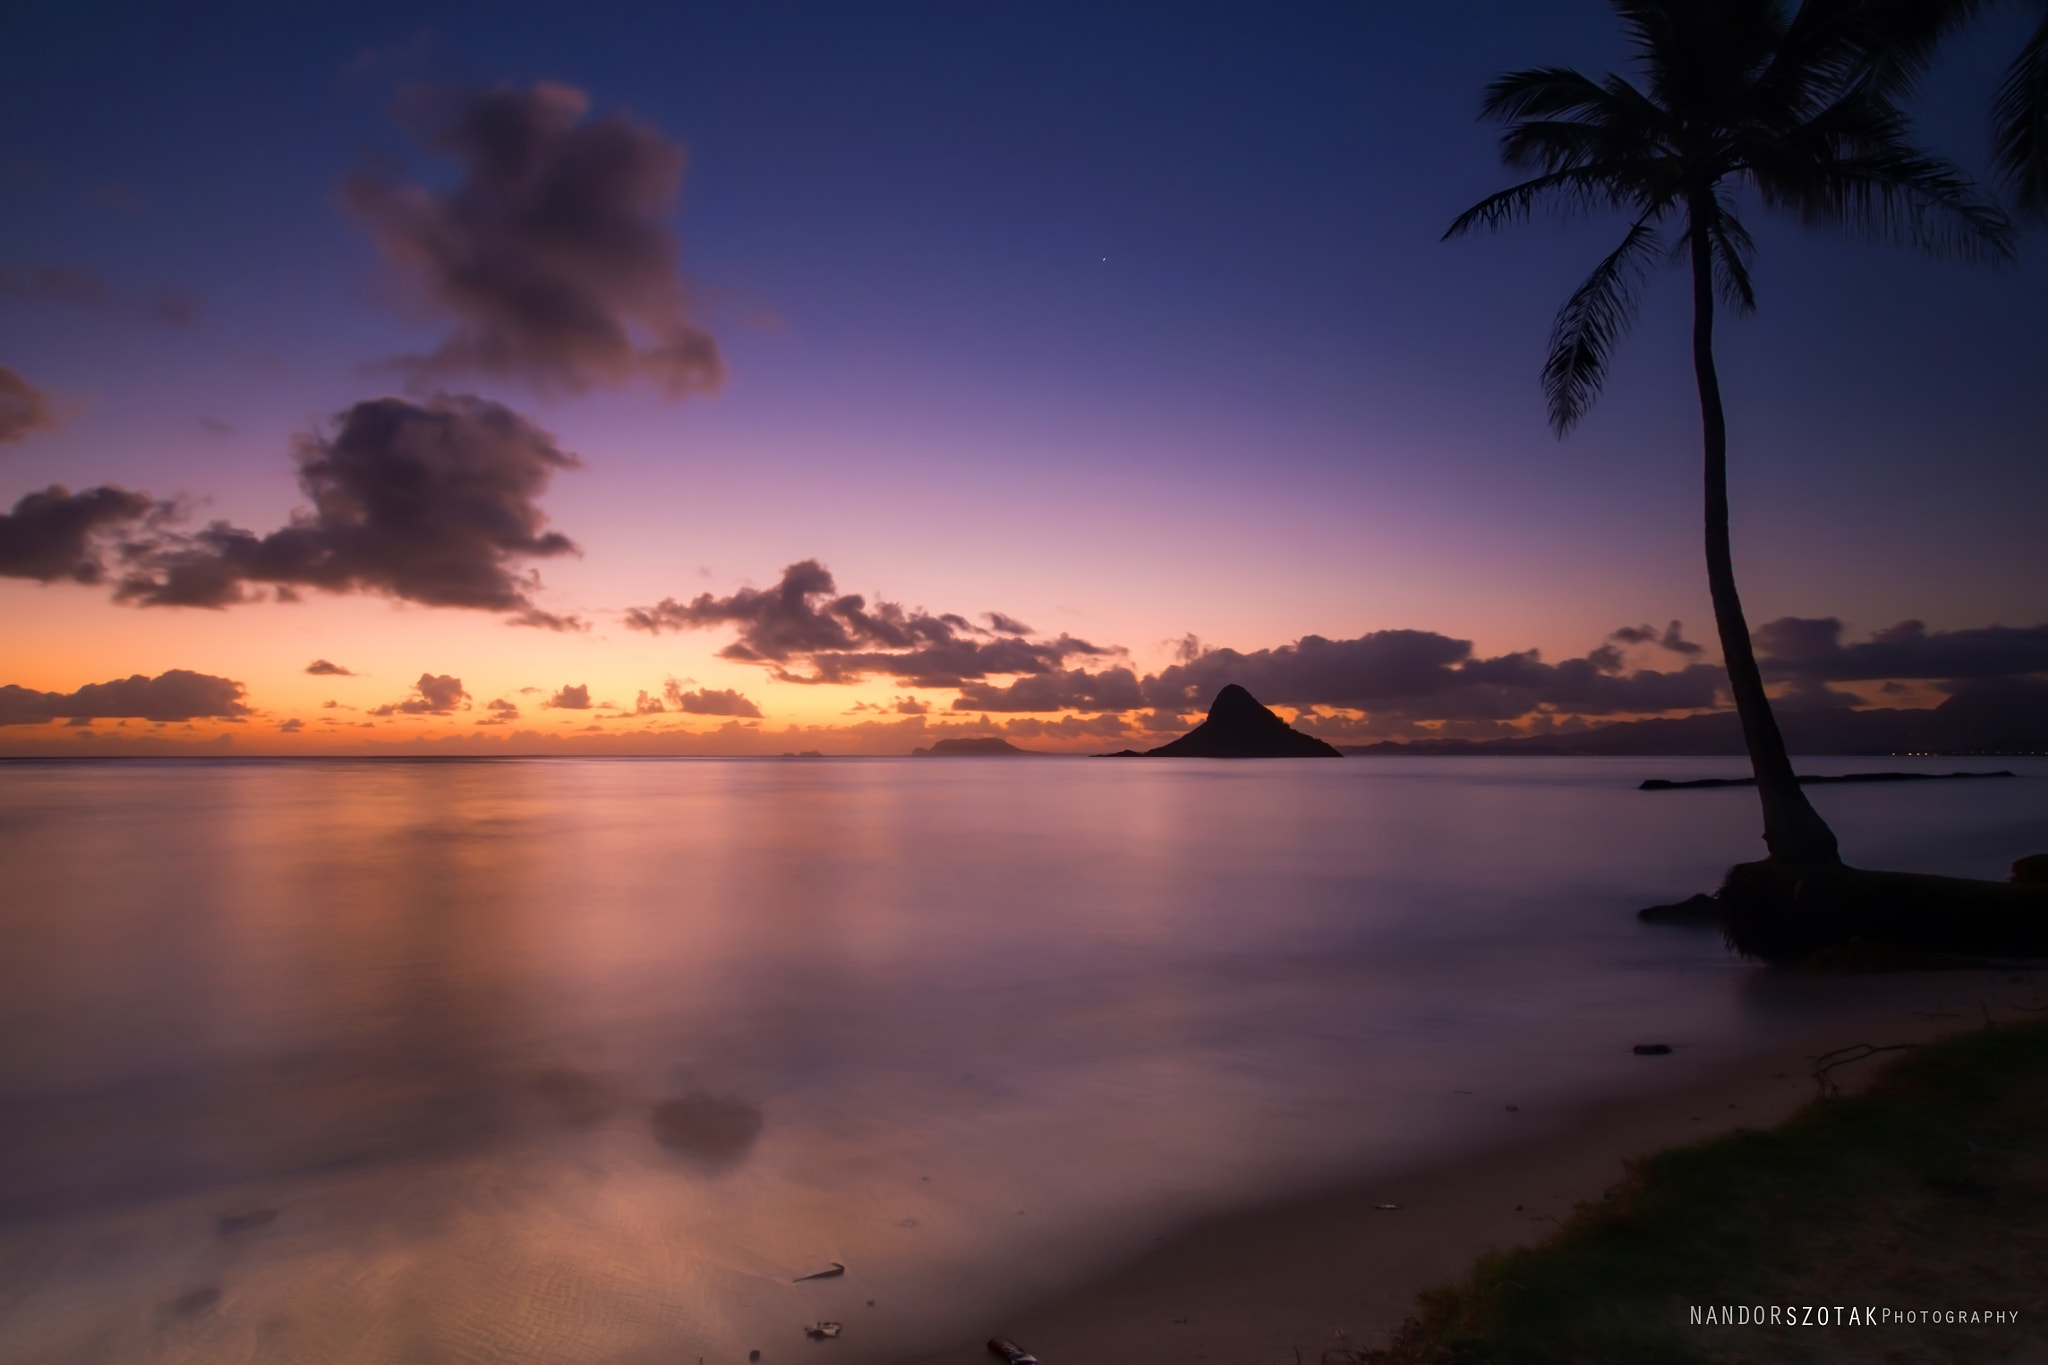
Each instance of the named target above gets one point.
<point>24,409</point>
<point>911,706</point>
<point>804,620</point>
<point>553,256</point>
<point>1671,639</point>
<point>292,726</point>
<point>320,668</point>
<point>1802,647</point>
<point>501,707</point>
<point>707,702</point>
<point>57,534</point>
<point>1067,727</point>
<point>433,695</point>
<point>431,503</point>
<point>646,705</point>
<point>178,694</point>
<point>1113,689</point>
<point>575,698</point>
<point>1422,672</point>
<point>69,287</point>
<point>1811,694</point>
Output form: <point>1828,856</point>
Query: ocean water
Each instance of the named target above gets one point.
<point>589,1060</point>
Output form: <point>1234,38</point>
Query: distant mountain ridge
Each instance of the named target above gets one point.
<point>2004,719</point>
<point>985,746</point>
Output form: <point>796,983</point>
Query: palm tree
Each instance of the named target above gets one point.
<point>1797,109</point>
<point>2020,125</point>
<point>1904,35</point>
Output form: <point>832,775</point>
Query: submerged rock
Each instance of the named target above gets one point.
<point>1238,727</point>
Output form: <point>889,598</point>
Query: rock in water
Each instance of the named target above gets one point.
<point>992,746</point>
<point>1238,727</point>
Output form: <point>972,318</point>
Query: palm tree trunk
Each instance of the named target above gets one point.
<point>1793,829</point>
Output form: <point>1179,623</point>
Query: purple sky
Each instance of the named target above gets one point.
<point>1128,326</point>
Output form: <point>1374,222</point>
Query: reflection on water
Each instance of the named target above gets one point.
<point>588,1060</point>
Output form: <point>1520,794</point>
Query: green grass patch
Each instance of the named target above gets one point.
<point>1928,1190</point>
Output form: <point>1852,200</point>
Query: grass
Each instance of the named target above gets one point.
<point>1928,1190</point>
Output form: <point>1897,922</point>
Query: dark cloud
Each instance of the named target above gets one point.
<point>804,620</point>
<point>433,695</point>
<point>575,698</point>
<point>1006,625</point>
<point>320,668</point>
<point>1067,727</point>
<point>1809,694</point>
<point>1424,673</point>
<point>1113,689</point>
<point>911,706</point>
<point>648,705</point>
<point>1798,647</point>
<point>708,702</point>
<point>292,726</point>
<point>553,255</point>
<point>69,287</point>
<point>24,409</point>
<point>176,695</point>
<point>503,707</point>
<point>1671,638</point>
<point>430,503</point>
<point>57,534</point>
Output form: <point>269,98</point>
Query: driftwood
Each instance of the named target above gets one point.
<point>1825,1064</point>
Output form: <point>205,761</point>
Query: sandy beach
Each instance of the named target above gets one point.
<point>1283,1285</point>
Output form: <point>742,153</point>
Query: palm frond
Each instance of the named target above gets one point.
<point>1544,92</point>
<point>2019,125</point>
<point>1832,43</point>
<point>1591,321</point>
<point>1576,188</point>
<point>1896,193</point>
<point>1731,248</point>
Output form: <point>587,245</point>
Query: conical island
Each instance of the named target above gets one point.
<point>1238,727</point>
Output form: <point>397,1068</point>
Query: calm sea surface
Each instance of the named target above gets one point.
<point>563,1060</point>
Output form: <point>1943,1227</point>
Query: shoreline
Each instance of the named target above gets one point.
<point>1282,1284</point>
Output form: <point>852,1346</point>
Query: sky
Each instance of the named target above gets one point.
<point>523,378</point>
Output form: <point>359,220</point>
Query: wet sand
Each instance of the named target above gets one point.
<point>1283,1285</point>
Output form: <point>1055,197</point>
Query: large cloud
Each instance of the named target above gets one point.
<point>175,695</point>
<point>804,620</point>
<point>431,503</point>
<point>553,256</point>
<point>1812,648</point>
<point>1067,689</point>
<point>435,694</point>
<point>57,534</point>
<point>707,701</point>
<point>1418,672</point>
<point>24,409</point>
